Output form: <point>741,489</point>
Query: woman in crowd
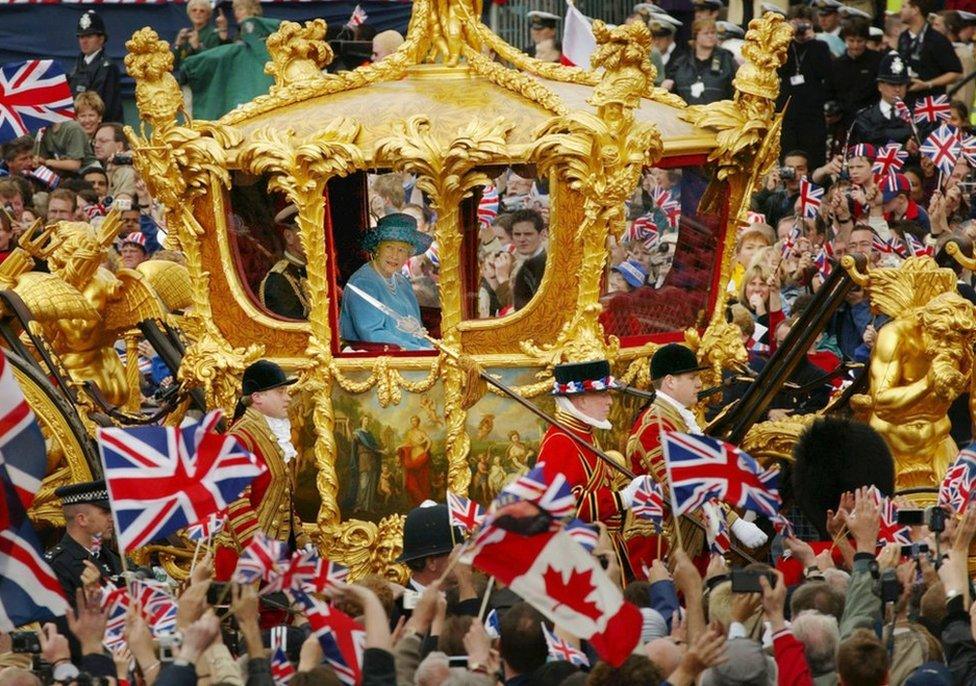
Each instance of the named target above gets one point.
<point>760,294</point>
<point>89,110</point>
<point>390,243</point>
<point>704,74</point>
<point>202,36</point>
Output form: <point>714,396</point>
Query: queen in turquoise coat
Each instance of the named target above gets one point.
<point>391,243</point>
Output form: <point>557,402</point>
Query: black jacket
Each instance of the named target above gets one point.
<point>853,82</point>
<point>811,61</point>
<point>871,126</point>
<point>67,560</point>
<point>715,75</point>
<point>527,280</point>
<point>102,76</point>
<point>929,55</point>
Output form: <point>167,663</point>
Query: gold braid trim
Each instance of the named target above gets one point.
<point>388,381</point>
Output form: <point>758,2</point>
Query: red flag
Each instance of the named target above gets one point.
<point>551,572</point>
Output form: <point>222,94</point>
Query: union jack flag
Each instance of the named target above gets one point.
<point>282,670</point>
<point>22,445</point>
<point>902,111</point>
<point>916,248</point>
<point>116,601</point>
<point>306,570</point>
<point>889,530</point>
<point>942,147</point>
<point>890,159</point>
<point>811,196</point>
<point>885,247</point>
<point>702,468</point>
<point>208,527</point>
<point>822,263</point>
<point>648,502</point>
<point>959,483</point>
<point>967,145</point>
<point>46,176</point>
<point>259,560</point>
<point>561,650</point>
<point>96,545</point>
<point>358,18</point>
<point>932,109</point>
<point>488,205</point>
<point>584,534</point>
<point>340,636</point>
<point>716,529</point>
<point>161,479</point>
<point>158,606</point>
<point>643,229</point>
<point>29,590</point>
<point>467,514</point>
<point>555,498</point>
<point>791,238</point>
<point>782,525</point>
<point>33,94</point>
<point>664,200</point>
<point>493,625</point>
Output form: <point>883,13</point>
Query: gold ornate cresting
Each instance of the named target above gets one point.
<point>600,156</point>
<point>921,362</point>
<point>298,56</point>
<point>181,164</point>
<point>448,169</point>
<point>301,169</point>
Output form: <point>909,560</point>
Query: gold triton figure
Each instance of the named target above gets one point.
<point>81,308</point>
<point>921,362</point>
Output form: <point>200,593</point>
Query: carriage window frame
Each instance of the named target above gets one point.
<point>677,162</point>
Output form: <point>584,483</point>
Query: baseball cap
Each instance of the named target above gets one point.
<point>895,185</point>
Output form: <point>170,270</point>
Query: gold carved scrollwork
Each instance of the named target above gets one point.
<point>180,164</point>
<point>387,380</point>
<point>298,56</point>
<point>602,156</point>
<point>366,547</point>
<point>301,168</point>
<point>448,169</point>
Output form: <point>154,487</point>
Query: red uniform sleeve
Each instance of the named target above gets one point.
<point>791,663</point>
<point>596,500</point>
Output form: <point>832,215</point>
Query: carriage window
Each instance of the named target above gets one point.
<point>265,243</point>
<point>661,272</point>
<point>512,247</point>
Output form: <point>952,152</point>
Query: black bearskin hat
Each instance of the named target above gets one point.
<point>833,456</point>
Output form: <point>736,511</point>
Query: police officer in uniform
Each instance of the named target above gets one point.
<point>284,290</point>
<point>880,123</point>
<point>93,70</point>
<point>88,518</point>
<point>428,539</point>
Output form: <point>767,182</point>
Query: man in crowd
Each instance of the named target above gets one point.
<point>828,22</point>
<point>95,176</point>
<point>386,43</point>
<point>529,239</point>
<point>93,70</point>
<point>931,59</point>
<point>62,205</point>
<point>853,77</point>
<point>133,251</point>
<point>707,9</point>
<point>86,553</point>
<point>112,151</point>
<point>284,290</point>
<point>881,123</point>
<point>779,197</point>
<point>663,28</point>
<point>542,26</point>
<point>802,83</point>
<point>18,155</point>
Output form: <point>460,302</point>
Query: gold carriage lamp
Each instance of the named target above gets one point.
<point>449,117</point>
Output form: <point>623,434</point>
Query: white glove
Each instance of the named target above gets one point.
<point>748,533</point>
<point>627,495</point>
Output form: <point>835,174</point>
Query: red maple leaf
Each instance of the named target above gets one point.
<point>572,593</point>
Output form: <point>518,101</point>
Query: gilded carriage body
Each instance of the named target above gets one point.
<point>450,110</point>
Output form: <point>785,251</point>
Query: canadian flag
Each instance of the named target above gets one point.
<point>555,575</point>
<point>578,41</point>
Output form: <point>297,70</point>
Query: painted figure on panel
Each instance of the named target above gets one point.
<point>414,454</point>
